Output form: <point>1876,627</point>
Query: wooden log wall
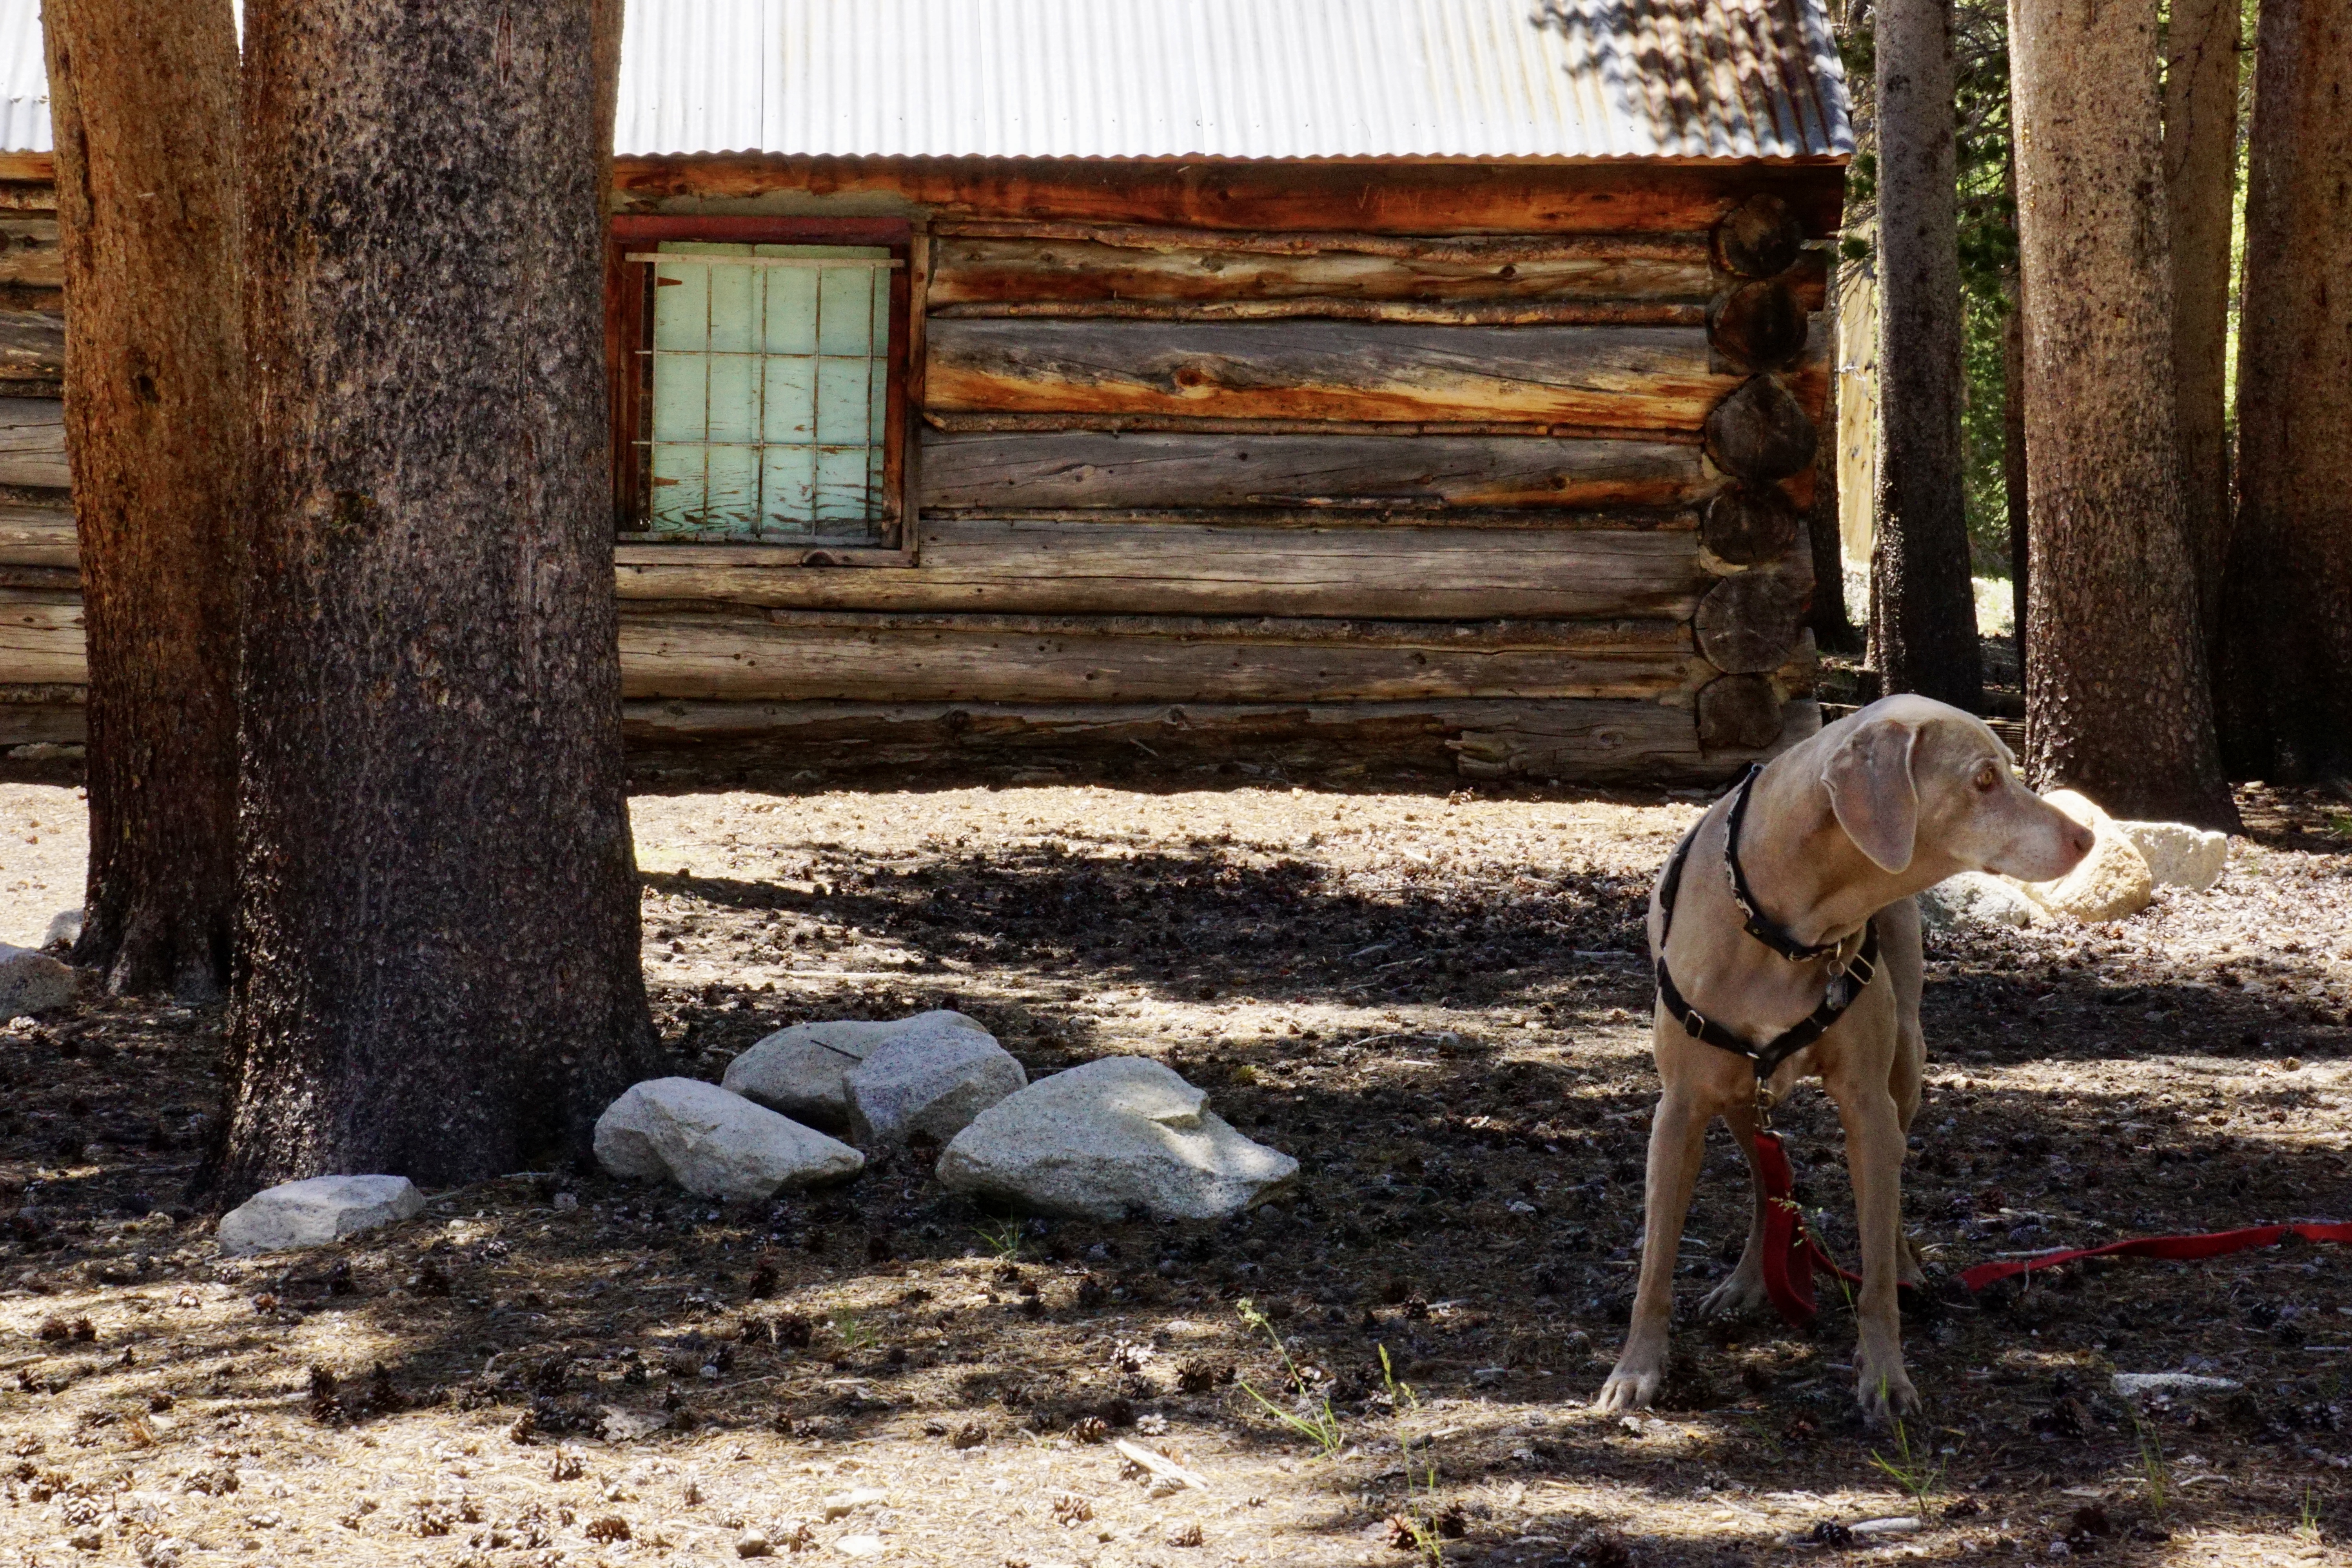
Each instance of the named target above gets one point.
<point>1498,474</point>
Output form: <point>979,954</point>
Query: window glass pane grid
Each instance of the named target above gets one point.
<point>770,377</point>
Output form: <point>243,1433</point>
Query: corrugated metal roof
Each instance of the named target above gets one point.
<point>24,80</point>
<point>1193,78</point>
<point>1233,78</point>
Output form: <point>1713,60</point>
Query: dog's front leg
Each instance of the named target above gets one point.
<point>1873,1154</point>
<point>1744,1290</point>
<point>1677,1143</point>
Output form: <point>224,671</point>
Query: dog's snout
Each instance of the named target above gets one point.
<point>2078,841</point>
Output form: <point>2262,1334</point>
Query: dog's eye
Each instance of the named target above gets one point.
<point>1987,778</point>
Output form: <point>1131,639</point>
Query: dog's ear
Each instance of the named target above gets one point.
<point>1869,781</point>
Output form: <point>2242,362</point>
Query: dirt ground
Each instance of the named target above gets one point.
<point>1437,1002</point>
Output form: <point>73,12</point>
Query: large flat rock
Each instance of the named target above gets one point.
<point>1114,1137</point>
<point>934,1083</point>
<point>315,1211</point>
<point>803,1071</point>
<point>32,981</point>
<point>714,1143</point>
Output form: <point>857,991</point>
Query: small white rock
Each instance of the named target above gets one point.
<point>65,926</point>
<point>1974,898</point>
<point>2132,1384</point>
<point>859,1546</point>
<point>713,1143</point>
<point>315,1211</point>
<point>803,1071</point>
<point>2178,855</point>
<point>1114,1135</point>
<point>841,1505</point>
<point>934,1081</point>
<point>31,982</point>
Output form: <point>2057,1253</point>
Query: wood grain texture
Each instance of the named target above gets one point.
<point>29,718</point>
<point>32,346</point>
<point>1757,325</point>
<point>1760,433</point>
<point>1631,378</point>
<point>1030,566</point>
<point>33,536</point>
<point>1111,660</point>
<point>1004,472</point>
<point>30,253</point>
<point>1745,525</point>
<point>1522,313</point>
<point>1383,196</point>
<point>1612,743</point>
<point>1739,712</point>
<point>32,443</point>
<point>1762,237</point>
<point>1751,623</point>
<point>41,638</point>
<point>983,271</point>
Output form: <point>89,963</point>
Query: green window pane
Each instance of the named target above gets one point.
<point>791,327</point>
<point>734,316</point>
<point>841,492</point>
<point>788,489</point>
<point>789,412</point>
<point>681,395</point>
<point>677,501</point>
<point>734,399</point>
<point>681,306</point>
<point>734,490</point>
<point>843,399</point>
<point>845,310</point>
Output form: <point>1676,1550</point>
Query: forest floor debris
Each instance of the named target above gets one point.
<point>1438,1003</point>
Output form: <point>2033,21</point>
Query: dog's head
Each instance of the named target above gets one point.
<point>1920,786</point>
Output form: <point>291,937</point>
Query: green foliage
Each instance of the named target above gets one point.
<point>1421,1513</point>
<point>1918,1474</point>
<point>1320,1424</point>
<point>853,1332</point>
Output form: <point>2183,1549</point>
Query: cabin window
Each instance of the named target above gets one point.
<point>765,392</point>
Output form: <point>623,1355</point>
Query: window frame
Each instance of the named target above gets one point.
<point>628,334</point>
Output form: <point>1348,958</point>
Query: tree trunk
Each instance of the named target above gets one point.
<point>2116,697</point>
<point>1925,633</point>
<point>2014,485</point>
<point>144,99</point>
<point>1833,629</point>
<point>2201,155</point>
<point>438,944</point>
<point>2287,622</point>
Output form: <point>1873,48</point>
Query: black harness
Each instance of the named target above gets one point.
<point>1845,984</point>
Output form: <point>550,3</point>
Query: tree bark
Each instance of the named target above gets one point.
<point>437,965</point>
<point>2201,155</point>
<point>2116,697</point>
<point>1833,629</point>
<point>1923,636</point>
<point>143,100</point>
<point>2016,489</point>
<point>2287,620</point>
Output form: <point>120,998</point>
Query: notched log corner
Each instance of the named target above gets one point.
<point>1760,434</point>
<point>1750,624</point>
<point>1747,525</point>
<point>1760,237</point>
<point>1758,325</point>
<point>1738,713</point>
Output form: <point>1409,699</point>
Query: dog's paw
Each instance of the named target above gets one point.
<point>1736,1297</point>
<point>1628,1388</point>
<point>1886,1397</point>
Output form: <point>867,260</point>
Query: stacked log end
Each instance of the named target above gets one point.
<point>1750,628</point>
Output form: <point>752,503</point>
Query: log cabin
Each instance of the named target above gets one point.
<point>1428,383</point>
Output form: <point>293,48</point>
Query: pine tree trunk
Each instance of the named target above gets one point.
<point>2015,490</point>
<point>2287,621</point>
<point>438,944</point>
<point>2201,154</point>
<point>1833,629</point>
<point>2116,696</point>
<point>1924,635</point>
<point>144,99</point>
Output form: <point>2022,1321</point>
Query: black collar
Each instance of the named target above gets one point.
<point>1847,982</point>
<point>1757,924</point>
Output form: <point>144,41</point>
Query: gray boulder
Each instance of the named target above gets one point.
<point>31,982</point>
<point>2178,855</point>
<point>803,1071</point>
<point>931,1081</point>
<point>1116,1134</point>
<point>1974,898</point>
<point>713,1143</point>
<point>315,1211</point>
<point>65,926</point>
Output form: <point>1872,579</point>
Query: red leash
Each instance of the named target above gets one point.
<point>2213,1244</point>
<point>1791,1251</point>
